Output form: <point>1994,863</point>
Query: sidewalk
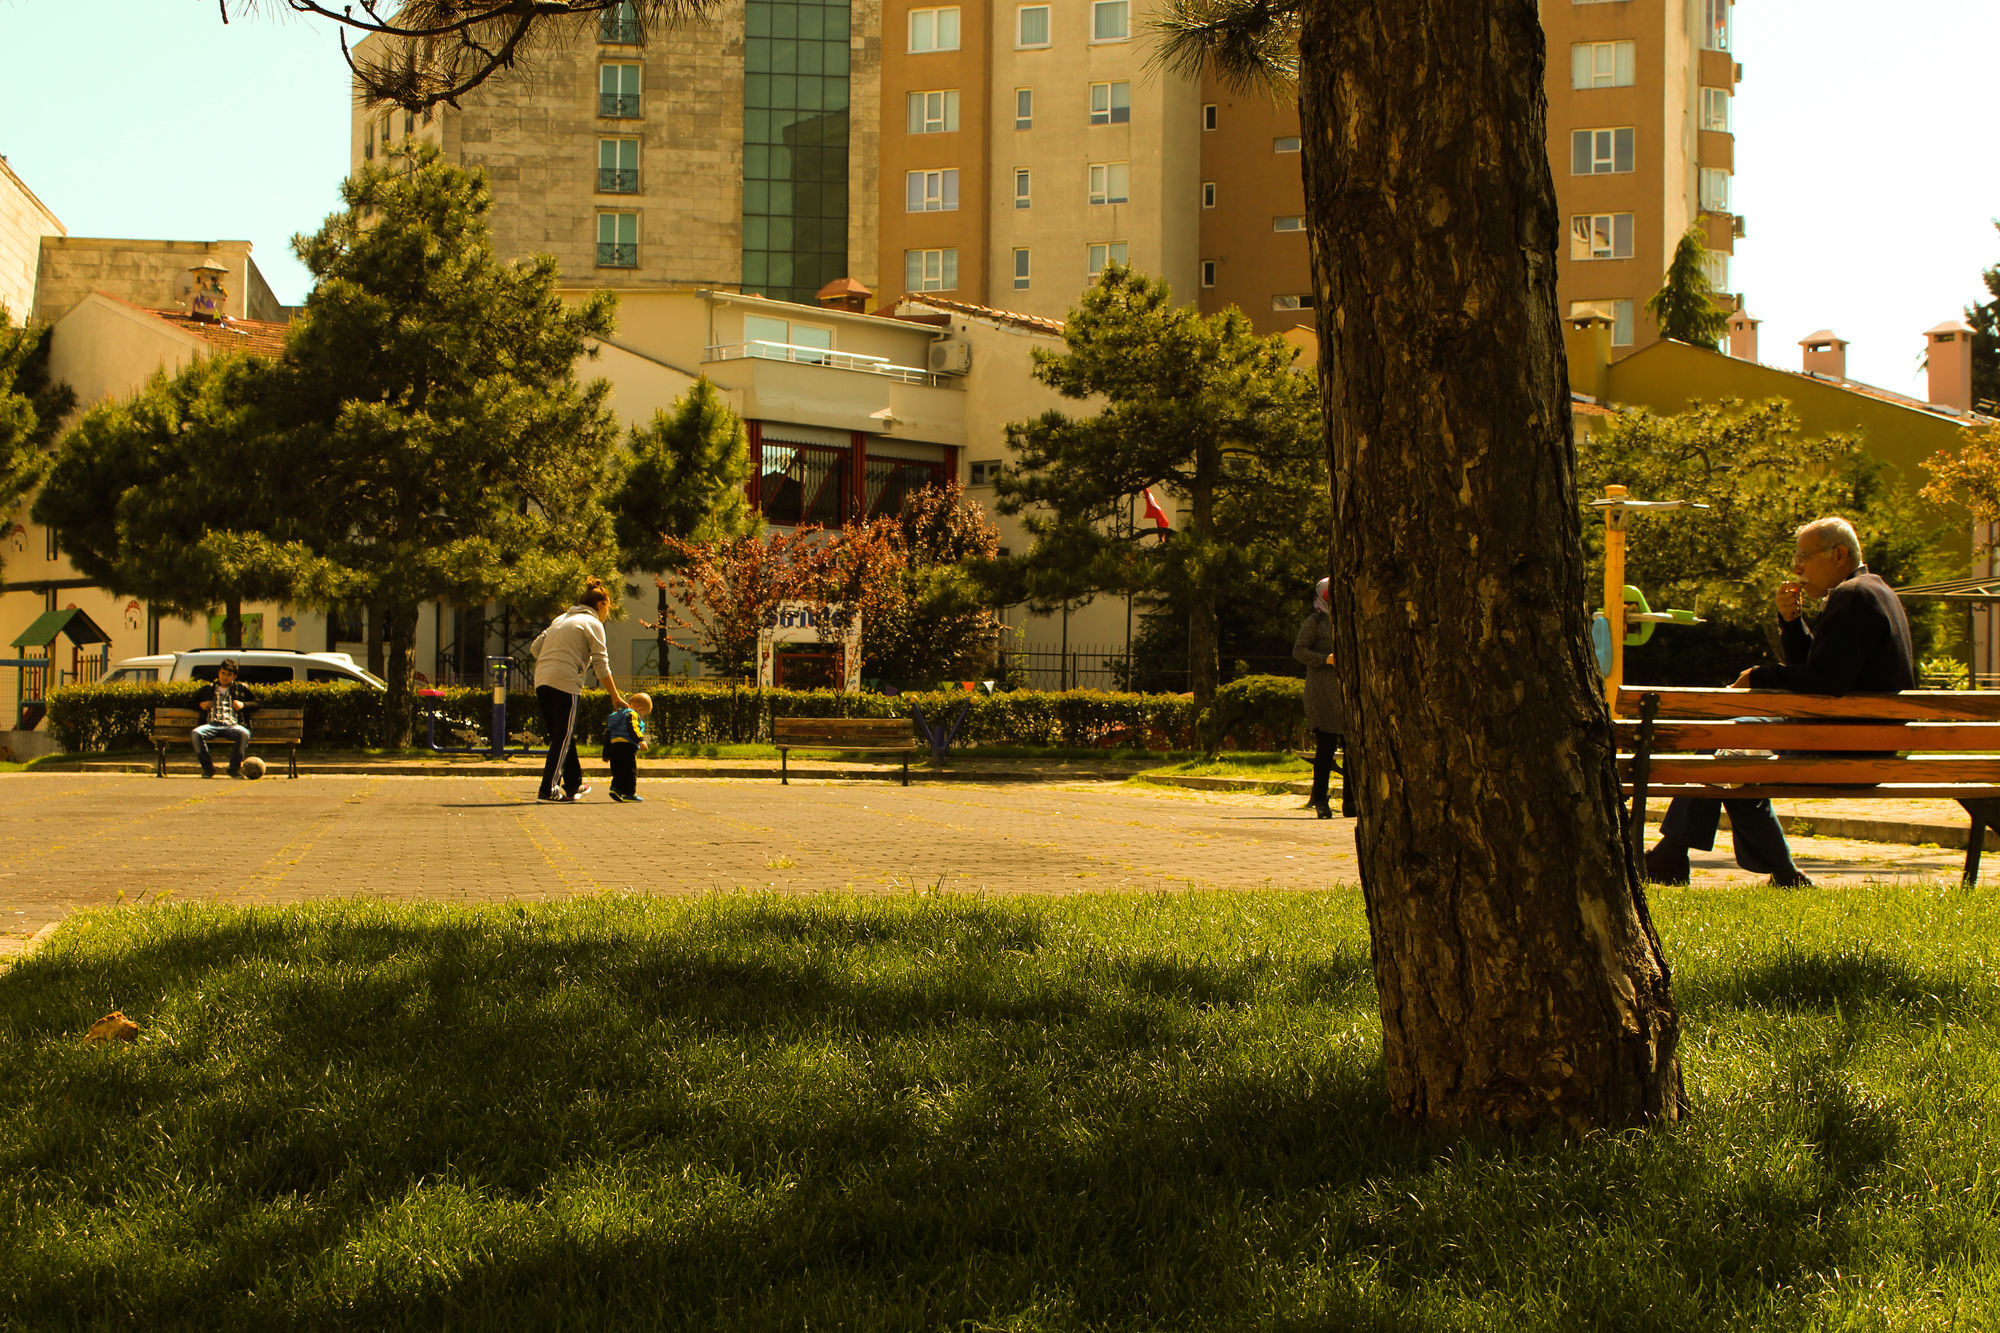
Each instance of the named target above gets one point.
<point>1920,823</point>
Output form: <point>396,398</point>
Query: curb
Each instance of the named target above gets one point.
<point>9,957</point>
<point>598,770</point>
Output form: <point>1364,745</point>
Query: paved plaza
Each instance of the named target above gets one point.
<point>70,841</point>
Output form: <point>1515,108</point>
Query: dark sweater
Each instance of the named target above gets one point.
<point>1860,645</point>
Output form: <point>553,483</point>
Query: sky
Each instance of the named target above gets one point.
<point>1867,178</point>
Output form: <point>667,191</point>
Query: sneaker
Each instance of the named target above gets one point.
<point>1790,879</point>
<point>1666,864</point>
<point>634,797</point>
<point>235,772</point>
<point>548,796</point>
<point>616,796</point>
<point>584,790</point>
<point>208,772</point>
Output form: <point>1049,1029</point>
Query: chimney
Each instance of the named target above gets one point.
<point>1587,342</point>
<point>1826,354</point>
<point>1743,334</point>
<point>845,294</point>
<point>1948,353</point>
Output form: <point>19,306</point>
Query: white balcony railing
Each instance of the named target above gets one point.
<point>821,356</point>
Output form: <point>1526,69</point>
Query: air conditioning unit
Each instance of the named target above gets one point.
<point>951,358</point>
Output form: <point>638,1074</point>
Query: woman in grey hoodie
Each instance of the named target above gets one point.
<point>1314,650</point>
<point>573,640</point>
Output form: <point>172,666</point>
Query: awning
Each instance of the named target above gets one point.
<point>80,628</point>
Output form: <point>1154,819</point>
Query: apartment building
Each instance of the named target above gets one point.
<point>737,151</point>
<point>1036,143</point>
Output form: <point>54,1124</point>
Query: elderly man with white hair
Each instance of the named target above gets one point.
<point>1860,644</point>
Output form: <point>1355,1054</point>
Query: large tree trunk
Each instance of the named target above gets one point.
<point>1521,981</point>
<point>232,622</point>
<point>399,713</point>
<point>378,640</point>
<point>1203,635</point>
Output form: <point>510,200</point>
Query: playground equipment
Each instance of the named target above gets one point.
<point>1616,619</point>
<point>498,671</point>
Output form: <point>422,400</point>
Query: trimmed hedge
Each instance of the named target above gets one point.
<point>108,717</point>
<point>1256,713</point>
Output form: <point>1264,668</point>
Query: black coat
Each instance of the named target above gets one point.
<point>1860,644</point>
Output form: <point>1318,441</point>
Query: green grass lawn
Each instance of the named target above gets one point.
<point>930,1113</point>
<point>1260,765</point>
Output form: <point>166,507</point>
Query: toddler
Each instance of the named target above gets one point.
<point>624,736</point>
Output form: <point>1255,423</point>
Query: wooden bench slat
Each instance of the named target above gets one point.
<point>1757,791</point>
<point>1722,704</point>
<point>1666,770</point>
<point>861,735</point>
<point>1916,736</point>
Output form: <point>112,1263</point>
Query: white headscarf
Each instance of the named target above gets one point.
<point>1323,597</point>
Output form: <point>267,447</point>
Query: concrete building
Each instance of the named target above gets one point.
<point>24,221</point>
<point>154,275</point>
<point>737,152</point>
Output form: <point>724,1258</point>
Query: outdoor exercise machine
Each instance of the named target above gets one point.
<point>499,670</point>
<point>1614,625</point>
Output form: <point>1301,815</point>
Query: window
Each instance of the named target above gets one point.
<point>1208,116</point>
<point>1100,254</point>
<point>1285,143</point>
<point>1715,109</point>
<point>1298,301</point>
<point>618,166</point>
<point>1110,103</point>
<point>933,191</point>
<point>930,270</point>
<point>1601,65</point>
<point>1621,317</point>
<point>1208,272</point>
<point>1714,190</point>
<point>1032,26</point>
<point>1290,222</point>
<point>620,24</point>
<point>52,549</point>
<point>1110,182</point>
<point>1024,108</point>
<point>983,474</point>
<point>1021,192</point>
<point>934,29</point>
<point>1600,236</point>
<point>1110,21</point>
<point>1715,264</point>
<point>782,340</point>
<point>618,91</point>
<point>618,240</point>
<point>933,112</point>
<point>1208,194</point>
<point>1020,274</point>
<point>368,142</point>
<point>1715,25</point>
<point>1599,152</point>
<point>409,123</point>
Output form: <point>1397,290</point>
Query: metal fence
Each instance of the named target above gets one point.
<point>1113,667</point>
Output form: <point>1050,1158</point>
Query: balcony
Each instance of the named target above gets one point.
<point>618,180</point>
<point>823,356</point>
<point>618,106</point>
<point>611,255</point>
<point>619,29</point>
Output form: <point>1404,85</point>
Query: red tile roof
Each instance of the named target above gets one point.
<point>259,337</point>
<point>1035,322</point>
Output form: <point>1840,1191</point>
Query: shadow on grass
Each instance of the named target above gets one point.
<point>784,1114</point>
<point>1847,977</point>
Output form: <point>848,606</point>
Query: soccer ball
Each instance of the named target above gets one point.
<point>253,768</point>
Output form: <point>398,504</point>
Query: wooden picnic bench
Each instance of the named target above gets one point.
<point>1749,744</point>
<point>268,726</point>
<point>878,735</point>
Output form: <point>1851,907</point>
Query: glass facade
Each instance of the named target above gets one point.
<point>795,93</point>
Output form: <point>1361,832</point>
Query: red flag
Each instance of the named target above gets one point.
<point>1157,514</point>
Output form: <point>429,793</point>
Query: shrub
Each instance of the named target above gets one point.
<point>1256,713</point>
<point>119,715</point>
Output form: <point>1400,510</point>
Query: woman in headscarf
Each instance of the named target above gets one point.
<point>1314,648</point>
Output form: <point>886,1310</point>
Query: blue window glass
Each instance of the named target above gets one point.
<point>795,145</point>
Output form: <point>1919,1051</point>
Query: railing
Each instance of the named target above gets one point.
<point>618,106</point>
<point>618,180</point>
<point>1111,667</point>
<point>760,350</point>
<point>617,256</point>
<point>618,30</point>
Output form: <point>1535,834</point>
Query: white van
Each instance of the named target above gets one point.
<point>254,666</point>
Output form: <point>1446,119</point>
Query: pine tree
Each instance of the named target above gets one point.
<point>682,475</point>
<point>32,407</point>
<point>1196,403</point>
<point>153,497</point>
<point>1685,307</point>
<point>437,441</point>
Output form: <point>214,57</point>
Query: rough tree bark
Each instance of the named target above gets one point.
<point>398,704</point>
<point>1521,981</point>
<point>232,622</point>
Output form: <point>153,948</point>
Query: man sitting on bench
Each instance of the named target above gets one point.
<point>1861,645</point>
<point>225,703</point>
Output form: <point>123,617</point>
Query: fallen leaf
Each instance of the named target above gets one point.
<point>114,1026</point>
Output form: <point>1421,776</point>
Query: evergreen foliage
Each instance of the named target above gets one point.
<point>1984,317</point>
<point>683,476</point>
<point>1685,307</point>
<point>1762,478</point>
<point>1198,404</point>
<point>32,407</point>
<point>170,496</point>
<point>432,415</point>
